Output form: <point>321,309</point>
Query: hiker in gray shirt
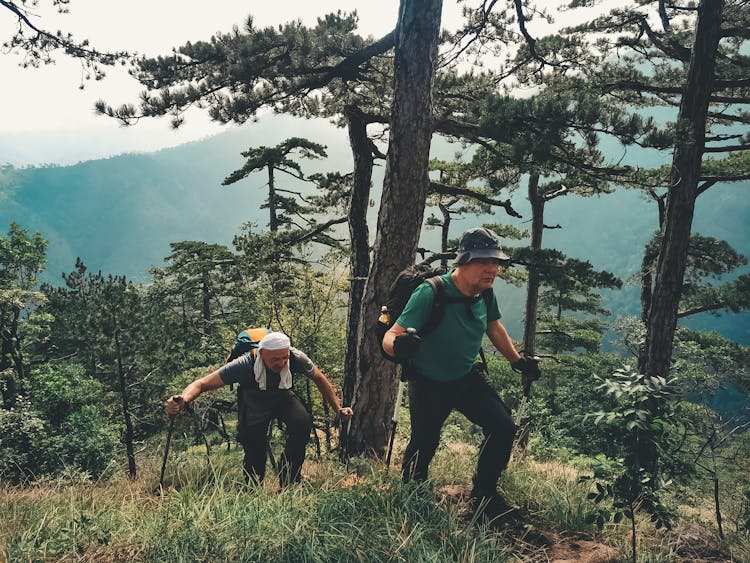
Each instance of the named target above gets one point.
<point>265,392</point>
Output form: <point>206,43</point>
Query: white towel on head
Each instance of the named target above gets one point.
<point>259,368</point>
<point>274,341</point>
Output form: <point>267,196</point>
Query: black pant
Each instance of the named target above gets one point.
<point>298,424</point>
<point>430,403</point>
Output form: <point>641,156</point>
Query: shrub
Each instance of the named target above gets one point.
<point>20,439</point>
<point>64,423</point>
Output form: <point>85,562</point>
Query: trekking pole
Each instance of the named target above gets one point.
<point>176,399</point>
<point>309,406</point>
<point>396,409</point>
<point>394,422</point>
<point>344,441</point>
<point>523,422</point>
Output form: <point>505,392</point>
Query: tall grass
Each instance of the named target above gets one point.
<point>357,513</point>
<point>207,514</point>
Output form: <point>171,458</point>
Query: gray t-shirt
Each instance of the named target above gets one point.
<point>256,405</point>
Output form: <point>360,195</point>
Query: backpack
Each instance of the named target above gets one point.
<point>247,340</point>
<point>401,290</point>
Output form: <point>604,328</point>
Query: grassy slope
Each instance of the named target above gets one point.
<point>359,513</point>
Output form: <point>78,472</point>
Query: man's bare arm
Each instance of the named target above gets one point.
<point>501,340</point>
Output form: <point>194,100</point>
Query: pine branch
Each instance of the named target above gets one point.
<point>348,68</point>
<point>77,50</point>
<point>731,148</point>
<point>530,41</point>
<point>445,189</point>
<point>318,230</point>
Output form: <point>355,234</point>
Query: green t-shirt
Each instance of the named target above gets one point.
<point>448,351</point>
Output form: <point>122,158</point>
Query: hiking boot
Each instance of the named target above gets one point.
<point>493,508</point>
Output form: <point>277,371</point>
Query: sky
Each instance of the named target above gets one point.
<point>46,118</point>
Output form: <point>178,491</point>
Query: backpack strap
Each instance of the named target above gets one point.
<point>440,298</point>
<point>487,295</point>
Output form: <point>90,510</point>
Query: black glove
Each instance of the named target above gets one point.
<point>529,367</point>
<point>406,345</point>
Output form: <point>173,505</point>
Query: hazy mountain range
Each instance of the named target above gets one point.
<point>120,214</point>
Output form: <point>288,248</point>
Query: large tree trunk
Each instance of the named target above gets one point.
<point>359,235</point>
<point>400,215</point>
<point>683,184</point>
<point>683,191</point>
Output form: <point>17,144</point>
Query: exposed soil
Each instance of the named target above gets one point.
<point>533,544</point>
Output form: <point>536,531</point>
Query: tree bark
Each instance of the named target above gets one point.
<point>359,235</point>
<point>683,190</point>
<point>678,219</point>
<point>129,437</point>
<point>444,230</point>
<point>532,287</point>
<point>647,279</point>
<point>400,215</point>
<point>273,222</point>
<point>532,297</point>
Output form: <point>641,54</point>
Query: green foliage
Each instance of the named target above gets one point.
<point>566,394</point>
<point>59,390</point>
<point>22,258</point>
<point>37,45</point>
<point>569,286</point>
<point>192,293</point>
<point>283,210</point>
<point>708,260</point>
<point>642,403</point>
<point>563,334</point>
<point>78,418</point>
<point>638,422</point>
<point>282,68</point>
<point>706,361</point>
<point>632,490</point>
<point>745,516</point>
<point>23,433</point>
<point>63,424</point>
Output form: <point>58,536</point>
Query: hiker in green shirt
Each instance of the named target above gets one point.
<point>443,371</point>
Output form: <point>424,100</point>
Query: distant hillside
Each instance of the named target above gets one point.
<point>120,214</point>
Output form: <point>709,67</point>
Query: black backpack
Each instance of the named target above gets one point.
<point>404,285</point>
